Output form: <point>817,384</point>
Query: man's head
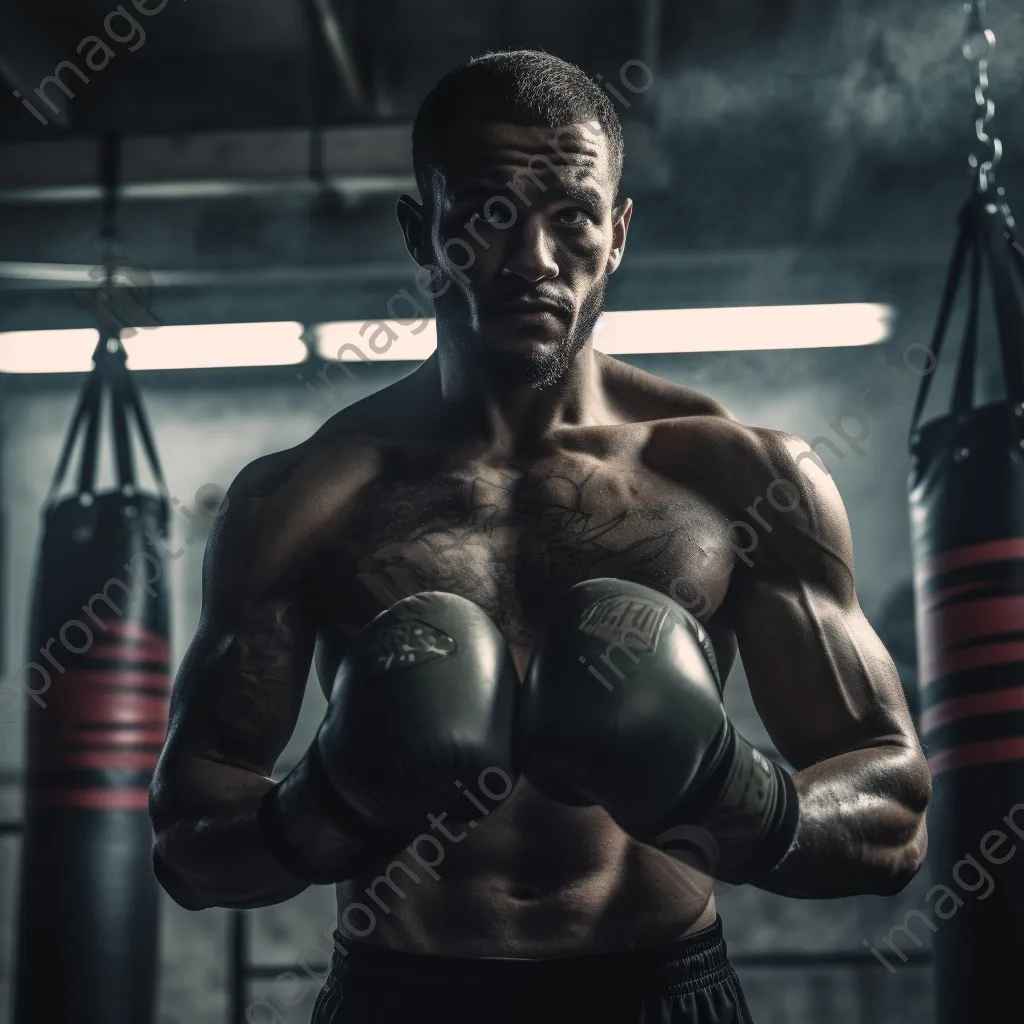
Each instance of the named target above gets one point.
<point>518,159</point>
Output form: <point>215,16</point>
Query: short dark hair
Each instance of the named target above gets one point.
<point>524,87</point>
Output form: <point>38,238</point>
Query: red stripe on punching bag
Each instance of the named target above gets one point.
<point>121,652</point>
<point>973,620</point>
<point>1005,550</point>
<point>113,737</point>
<point>117,677</point>
<point>124,799</point>
<point>943,595</point>
<point>988,703</point>
<point>946,623</point>
<point>153,645</point>
<point>46,760</point>
<point>938,663</point>
<point>990,752</point>
<point>103,718</point>
<point>87,706</point>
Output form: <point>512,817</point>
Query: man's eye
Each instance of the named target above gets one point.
<point>580,216</point>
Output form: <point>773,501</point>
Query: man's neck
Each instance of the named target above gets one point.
<point>514,416</point>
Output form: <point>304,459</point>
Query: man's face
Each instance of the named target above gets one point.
<point>523,215</point>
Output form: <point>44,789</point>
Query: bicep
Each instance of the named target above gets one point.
<point>820,677</point>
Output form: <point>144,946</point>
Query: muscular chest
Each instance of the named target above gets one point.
<point>513,538</point>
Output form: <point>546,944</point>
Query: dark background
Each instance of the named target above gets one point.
<point>789,151</point>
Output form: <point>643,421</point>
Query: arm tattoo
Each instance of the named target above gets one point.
<point>258,693</point>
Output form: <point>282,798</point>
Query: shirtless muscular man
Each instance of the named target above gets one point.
<point>542,699</point>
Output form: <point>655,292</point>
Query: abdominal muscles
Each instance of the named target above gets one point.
<point>531,877</point>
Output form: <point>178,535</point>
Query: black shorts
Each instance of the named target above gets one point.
<point>688,981</point>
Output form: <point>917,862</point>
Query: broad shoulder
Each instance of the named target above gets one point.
<point>757,456</point>
<point>280,508</point>
<point>768,462</point>
<point>769,479</point>
<point>694,435</point>
<point>326,469</point>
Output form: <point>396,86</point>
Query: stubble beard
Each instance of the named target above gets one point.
<point>534,368</point>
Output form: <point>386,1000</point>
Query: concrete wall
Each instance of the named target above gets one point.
<point>208,426</point>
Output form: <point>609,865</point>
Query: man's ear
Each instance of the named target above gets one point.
<point>621,215</point>
<point>412,217</point>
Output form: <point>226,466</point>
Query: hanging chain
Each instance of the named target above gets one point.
<point>977,45</point>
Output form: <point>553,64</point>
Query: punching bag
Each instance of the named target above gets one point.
<point>967,524</point>
<point>98,674</point>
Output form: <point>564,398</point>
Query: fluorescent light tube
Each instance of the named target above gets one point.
<point>644,331</point>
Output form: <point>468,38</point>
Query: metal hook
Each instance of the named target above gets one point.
<point>976,32</point>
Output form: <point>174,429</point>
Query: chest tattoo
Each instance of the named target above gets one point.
<point>512,541</point>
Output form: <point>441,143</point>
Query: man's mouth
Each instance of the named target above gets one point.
<point>530,308</point>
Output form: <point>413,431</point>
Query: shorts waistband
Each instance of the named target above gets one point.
<point>691,962</point>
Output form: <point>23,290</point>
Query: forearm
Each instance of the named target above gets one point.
<point>215,855</point>
<point>219,854</point>
<point>861,826</point>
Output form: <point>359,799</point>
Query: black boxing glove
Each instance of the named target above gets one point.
<point>423,702</point>
<point>622,707</point>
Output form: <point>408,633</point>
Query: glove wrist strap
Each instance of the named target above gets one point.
<point>747,811</point>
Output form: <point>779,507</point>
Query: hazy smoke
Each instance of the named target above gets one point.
<point>883,76</point>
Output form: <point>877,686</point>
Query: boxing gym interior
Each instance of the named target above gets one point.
<point>201,266</point>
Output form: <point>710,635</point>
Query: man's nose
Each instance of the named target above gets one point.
<point>531,253</point>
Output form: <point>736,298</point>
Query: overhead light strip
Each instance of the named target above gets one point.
<point>632,332</point>
<point>201,346</point>
<point>644,331</point>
